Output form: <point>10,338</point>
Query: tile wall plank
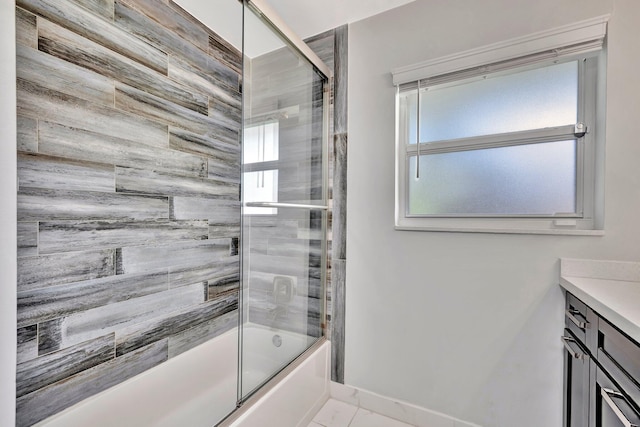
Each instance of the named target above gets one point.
<point>82,21</point>
<point>323,45</point>
<point>67,141</point>
<point>27,135</point>
<point>75,49</point>
<point>157,109</point>
<point>204,273</point>
<point>26,29</point>
<point>46,370</point>
<point>219,211</point>
<point>58,269</point>
<point>57,173</point>
<point>286,266</point>
<point>341,48</point>
<point>103,8</point>
<point>116,317</point>
<point>50,336</point>
<point>222,170</point>
<point>174,20</point>
<point>225,52</point>
<point>222,284</point>
<point>27,347</point>
<point>213,82</point>
<point>225,152</point>
<point>141,334</point>
<point>141,181</point>
<point>263,227</point>
<point>199,334</point>
<point>225,107</point>
<point>217,231</point>
<point>59,75</point>
<point>44,204</point>
<point>28,239</point>
<point>147,29</point>
<point>52,106</point>
<point>66,236</point>
<point>40,404</point>
<point>294,248</point>
<point>40,305</point>
<point>175,256</point>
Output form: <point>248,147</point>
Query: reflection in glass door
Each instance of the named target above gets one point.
<point>284,203</point>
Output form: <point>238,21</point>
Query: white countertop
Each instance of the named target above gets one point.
<point>616,296</point>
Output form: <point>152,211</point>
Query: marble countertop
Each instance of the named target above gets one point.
<point>610,288</point>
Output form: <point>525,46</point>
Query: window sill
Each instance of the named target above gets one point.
<point>551,231</point>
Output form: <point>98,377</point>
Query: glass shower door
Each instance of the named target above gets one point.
<point>284,203</point>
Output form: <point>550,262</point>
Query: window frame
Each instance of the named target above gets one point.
<point>591,74</point>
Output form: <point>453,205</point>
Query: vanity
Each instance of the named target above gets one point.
<point>601,343</point>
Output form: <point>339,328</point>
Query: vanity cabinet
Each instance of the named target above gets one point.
<point>578,336</point>
<point>601,369</point>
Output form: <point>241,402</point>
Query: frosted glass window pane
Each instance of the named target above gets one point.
<point>261,186</point>
<point>260,143</point>
<point>532,99</point>
<point>535,179</point>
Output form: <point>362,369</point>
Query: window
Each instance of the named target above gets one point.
<point>260,176</point>
<point>512,145</point>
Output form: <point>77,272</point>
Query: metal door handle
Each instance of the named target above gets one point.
<point>579,323</point>
<point>606,396</point>
<point>574,354</point>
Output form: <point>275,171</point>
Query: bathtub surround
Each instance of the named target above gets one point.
<point>128,198</point>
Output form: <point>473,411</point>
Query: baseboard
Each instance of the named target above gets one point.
<point>393,408</point>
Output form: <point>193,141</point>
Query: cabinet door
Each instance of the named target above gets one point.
<point>612,408</point>
<point>576,382</point>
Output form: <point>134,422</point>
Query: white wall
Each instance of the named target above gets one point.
<point>7,214</point>
<point>470,324</point>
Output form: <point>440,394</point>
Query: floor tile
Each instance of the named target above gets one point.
<point>366,418</point>
<point>312,424</point>
<point>335,414</point>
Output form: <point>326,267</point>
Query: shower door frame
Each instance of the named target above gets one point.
<point>271,19</point>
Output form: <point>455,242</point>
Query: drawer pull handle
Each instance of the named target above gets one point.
<point>606,396</point>
<point>574,354</point>
<point>579,323</point>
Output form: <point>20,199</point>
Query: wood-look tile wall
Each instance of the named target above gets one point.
<point>128,202</point>
<point>332,48</point>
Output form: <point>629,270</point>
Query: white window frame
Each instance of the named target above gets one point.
<point>580,41</point>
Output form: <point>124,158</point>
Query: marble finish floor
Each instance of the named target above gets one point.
<point>340,414</point>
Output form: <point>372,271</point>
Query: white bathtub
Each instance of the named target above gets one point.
<point>198,387</point>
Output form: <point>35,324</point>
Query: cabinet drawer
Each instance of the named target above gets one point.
<point>581,320</point>
<point>610,408</point>
<point>619,355</point>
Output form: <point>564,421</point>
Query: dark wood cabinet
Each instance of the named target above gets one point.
<point>576,382</point>
<point>610,406</point>
<point>601,369</point>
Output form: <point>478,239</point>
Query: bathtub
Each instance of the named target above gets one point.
<point>198,388</point>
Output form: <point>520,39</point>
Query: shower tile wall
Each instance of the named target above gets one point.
<point>332,47</point>
<point>128,202</point>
